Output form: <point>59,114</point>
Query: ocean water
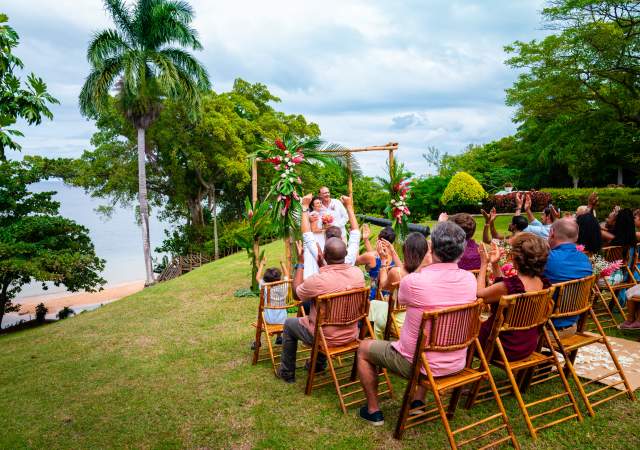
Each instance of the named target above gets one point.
<point>117,239</point>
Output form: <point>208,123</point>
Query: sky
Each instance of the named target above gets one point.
<point>420,73</point>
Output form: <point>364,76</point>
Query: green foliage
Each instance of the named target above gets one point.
<point>37,244</point>
<point>41,312</point>
<point>28,101</point>
<point>463,193</point>
<point>424,199</point>
<point>578,94</point>
<point>397,187</point>
<point>570,199</point>
<point>65,313</point>
<point>145,57</point>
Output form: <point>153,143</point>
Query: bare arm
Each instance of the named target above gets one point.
<point>388,277</point>
<point>367,259</point>
<point>298,277</point>
<point>285,269</point>
<point>492,225</point>
<point>261,265</point>
<point>606,236</point>
<point>366,233</point>
<point>348,204</point>
<point>527,208</point>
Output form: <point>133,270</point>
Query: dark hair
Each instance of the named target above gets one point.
<point>414,248</point>
<point>547,211</point>
<point>272,274</point>
<point>312,202</point>
<point>387,234</point>
<point>520,222</point>
<point>333,231</point>
<point>624,231</point>
<point>529,253</point>
<point>589,233</point>
<point>466,222</point>
<point>448,241</point>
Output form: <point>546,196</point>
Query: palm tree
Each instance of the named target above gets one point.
<point>143,59</point>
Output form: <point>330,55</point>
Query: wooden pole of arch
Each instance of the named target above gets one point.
<point>254,201</point>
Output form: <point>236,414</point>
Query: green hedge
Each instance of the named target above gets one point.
<point>568,199</point>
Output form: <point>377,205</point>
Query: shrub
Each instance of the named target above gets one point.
<point>65,312</point>
<point>507,203</point>
<point>424,197</point>
<point>463,193</point>
<point>569,199</point>
<point>41,312</point>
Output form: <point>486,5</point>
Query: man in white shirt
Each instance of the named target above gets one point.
<point>332,207</point>
<point>535,226</point>
<point>310,246</point>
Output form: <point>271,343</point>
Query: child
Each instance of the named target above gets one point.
<point>277,294</point>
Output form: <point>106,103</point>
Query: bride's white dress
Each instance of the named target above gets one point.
<point>319,236</point>
<point>310,263</point>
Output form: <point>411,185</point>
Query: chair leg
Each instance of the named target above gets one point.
<point>404,409</point>
<point>445,420</point>
<point>616,363</point>
<point>336,383</point>
<point>256,350</point>
<point>270,348</point>
<point>312,367</point>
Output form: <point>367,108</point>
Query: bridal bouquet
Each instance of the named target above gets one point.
<point>327,219</point>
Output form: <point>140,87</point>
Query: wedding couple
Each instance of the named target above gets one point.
<point>324,212</point>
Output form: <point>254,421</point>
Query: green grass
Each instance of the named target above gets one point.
<point>170,367</point>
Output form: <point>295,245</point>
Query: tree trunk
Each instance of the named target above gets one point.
<point>214,215</point>
<point>620,177</point>
<point>575,182</point>
<point>195,212</point>
<point>144,207</point>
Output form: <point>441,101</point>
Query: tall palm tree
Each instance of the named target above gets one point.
<point>143,60</point>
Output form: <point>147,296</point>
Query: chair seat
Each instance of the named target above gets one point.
<point>580,339</point>
<point>532,360</point>
<point>271,329</point>
<point>623,285</point>
<point>347,348</point>
<point>461,378</point>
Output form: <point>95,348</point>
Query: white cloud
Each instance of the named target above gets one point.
<point>368,72</point>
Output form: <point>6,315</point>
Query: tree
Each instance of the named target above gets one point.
<point>144,59</point>
<point>578,96</point>
<point>36,243</point>
<point>28,101</point>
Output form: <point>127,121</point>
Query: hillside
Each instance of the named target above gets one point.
<point>170,367</point>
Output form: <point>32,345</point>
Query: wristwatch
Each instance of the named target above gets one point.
<point>305,209</point>
<point>299,266</point>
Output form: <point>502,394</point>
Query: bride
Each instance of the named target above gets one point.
<point>315,218</point>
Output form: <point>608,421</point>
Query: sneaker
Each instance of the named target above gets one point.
<point>416,404</point>
<point>287,379</point>
<point>626,325</point>
<point>319,367</point>
<point>279,340</point>
<point>376,419</point>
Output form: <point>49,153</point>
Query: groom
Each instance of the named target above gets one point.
<point>334,208</point>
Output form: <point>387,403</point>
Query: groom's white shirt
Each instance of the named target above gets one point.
<point>339,214</point>
<point>311,251</point>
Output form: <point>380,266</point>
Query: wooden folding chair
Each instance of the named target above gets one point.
<point>341,309</point>
<point>521,312</point>
<point>273,296</point>
<point>615,253</point>
<point>392,329</point>
<point>446,330</point>
<point>574,298</point>
<point>601,309</point>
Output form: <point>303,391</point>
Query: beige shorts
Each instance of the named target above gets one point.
<point>382,353</point>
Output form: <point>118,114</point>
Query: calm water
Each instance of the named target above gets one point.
<point>117,239</point>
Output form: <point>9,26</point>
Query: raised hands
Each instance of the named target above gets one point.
<point>300,251</point>
<point>491,256</point>
<point>306,200</point>
<point>490,216</point>
<point>519,200</point>
<point>347,201</point>
<point>443,217</point>
<point>527,202</point>
<point>366,231</point>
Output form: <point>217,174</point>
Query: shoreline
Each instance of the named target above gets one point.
<point>55,302</point>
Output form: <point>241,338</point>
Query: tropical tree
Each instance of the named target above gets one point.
<point>36,243</point>
<point>17,100</point>
<point>144,59</point>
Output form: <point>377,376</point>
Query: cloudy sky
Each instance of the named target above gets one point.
<point>422,73</point>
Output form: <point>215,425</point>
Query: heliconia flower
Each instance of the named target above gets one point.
<point>297,159</point>
<point>250,214</point>
<point>280,144</point>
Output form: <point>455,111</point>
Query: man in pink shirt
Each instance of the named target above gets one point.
<point>439,285</point>
<point>336,276</point>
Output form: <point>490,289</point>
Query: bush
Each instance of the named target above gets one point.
<point>507,203</point>
<point>41,312</point>
<point>569,199</point>
<point>463,194</point>
<point>424,198</point>
<point>65,312</point>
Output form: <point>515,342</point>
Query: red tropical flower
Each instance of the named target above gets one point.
<point>280,144</point>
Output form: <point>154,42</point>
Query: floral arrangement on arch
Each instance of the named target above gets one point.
<point>286,156</point>
<point>398,187</point>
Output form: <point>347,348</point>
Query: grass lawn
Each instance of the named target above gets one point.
<point>170,367</point>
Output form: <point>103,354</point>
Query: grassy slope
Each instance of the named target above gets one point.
<point>170,367</point>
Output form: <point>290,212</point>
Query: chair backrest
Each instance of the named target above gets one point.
<point>452,328</point>
<point>573,297</point>
<point>277,295</point>
<point>342,308</point>
<point>615,253</point>
<point>394,305</point>
<point>525,311</point>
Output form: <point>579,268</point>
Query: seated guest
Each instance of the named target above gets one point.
<point>414,250</point>
<point>622,231</point>
<point>529,254</point>
<point>371,258</point>
<point>539,228</point>
<point>336,276</point>
<point>589,234</point>
<point>311,252</point>
<point>566,263</point>
<point>632,321</point>
<point>470,259</point>
<point>517,225</point>
<point>440,285</point>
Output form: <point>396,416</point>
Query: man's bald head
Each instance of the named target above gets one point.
<point>335,250</point>
<point>564,230</point>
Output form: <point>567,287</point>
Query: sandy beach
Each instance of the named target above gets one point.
<point>56,302</point>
